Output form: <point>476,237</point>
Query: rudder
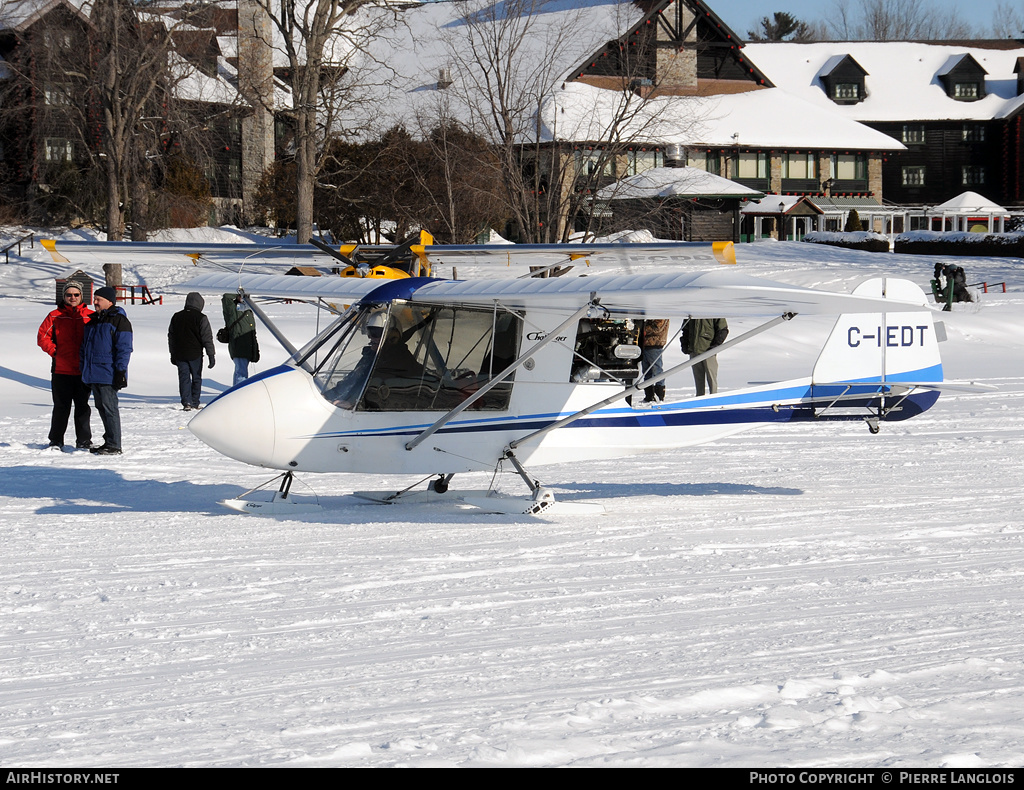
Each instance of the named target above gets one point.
<point>901,346</point>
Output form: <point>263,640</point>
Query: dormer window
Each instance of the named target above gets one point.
<point>843,80</point>
<point>963,78</point>
<point>846,91</point>
<point>965,91</point>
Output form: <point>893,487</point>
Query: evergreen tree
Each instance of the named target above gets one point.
<point>782,27</point>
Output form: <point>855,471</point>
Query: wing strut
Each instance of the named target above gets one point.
<point>494,382</point>
<point>292,350</point>
<point>639,387</point>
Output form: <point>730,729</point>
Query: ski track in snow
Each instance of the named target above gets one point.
<point>800,595</point>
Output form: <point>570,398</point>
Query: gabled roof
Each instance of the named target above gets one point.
<point>904,82</point>
<point>960,62</point>
<point>18,15</point>
<point>834,62</point>
<point>773,205</point>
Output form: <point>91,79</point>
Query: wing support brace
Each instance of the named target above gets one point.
<point>265,319</point>
<point>591,308</point>
<point>639,387</point>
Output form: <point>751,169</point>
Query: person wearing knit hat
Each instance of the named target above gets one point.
<point>106,350</point>
<point>60,336</point>
<point>188,335</point>
<point>106,292</point>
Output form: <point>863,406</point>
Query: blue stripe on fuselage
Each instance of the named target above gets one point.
<point>717,409</point>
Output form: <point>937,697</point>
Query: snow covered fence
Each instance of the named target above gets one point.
<point>986,245</point>
<point>854,240</point>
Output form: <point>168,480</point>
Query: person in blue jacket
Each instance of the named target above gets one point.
<point>106,350</point>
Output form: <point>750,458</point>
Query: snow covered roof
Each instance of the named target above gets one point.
<point>436,39</point>
<point>769,204</point>
<point>191,84</point>
<point>19,14</point>
<point>775,118</point>
<point>778,204</point>
<point>664,182</point>
<point>903,78</point>
<point>970,203</point>
<point>403,65</point>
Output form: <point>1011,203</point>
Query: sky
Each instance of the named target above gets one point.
<point>742,15</point>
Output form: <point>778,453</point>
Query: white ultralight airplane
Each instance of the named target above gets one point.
<point>440,377</point>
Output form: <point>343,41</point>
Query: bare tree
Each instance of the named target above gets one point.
<point>99,89</point>
<point>1008,20</point>
<point>318,40</point>
<point>896,20</point>
<point>555,141</point>
<point>458,175</point>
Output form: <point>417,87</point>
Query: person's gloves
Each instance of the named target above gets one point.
<point>120,379</point>
<point>211,363</point>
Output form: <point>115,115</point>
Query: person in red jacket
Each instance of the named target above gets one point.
<point>60,336</point>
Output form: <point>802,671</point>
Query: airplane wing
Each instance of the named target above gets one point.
<point>228,255</point>
<point>719,293</point>
<point>283,286</point>
<point>620,256</point>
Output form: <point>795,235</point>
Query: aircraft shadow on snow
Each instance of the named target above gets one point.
<point>25,378</point>
<point>107,491</point>
<point>39,383</point>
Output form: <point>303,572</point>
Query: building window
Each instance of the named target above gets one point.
<point>711,161</point>
<point>57,149</point>
<point>965,91</point>
<point>589,162</point>
<point>973,175</point>
<point>57,95</point>
<point>799,166</point>
<point>749,165</point>
<point>913,134</point>
<point>57,39</point>
<point>973,133</point>
<point>849,167</point>
<point>913,176</point>
<point>641,161</point>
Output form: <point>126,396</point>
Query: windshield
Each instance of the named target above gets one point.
<point>418,358</point>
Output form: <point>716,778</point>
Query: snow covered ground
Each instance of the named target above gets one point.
<point>802,595</point>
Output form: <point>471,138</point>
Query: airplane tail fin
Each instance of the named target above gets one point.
<point>896,347</point>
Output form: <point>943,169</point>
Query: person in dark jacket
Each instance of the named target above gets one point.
<point>187,336</point>
<point>241,330</point>
<point>701,335</point>
<point>106,351</point>
<point>60,336</point>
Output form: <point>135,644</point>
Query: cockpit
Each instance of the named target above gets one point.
<point>403,357</point>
